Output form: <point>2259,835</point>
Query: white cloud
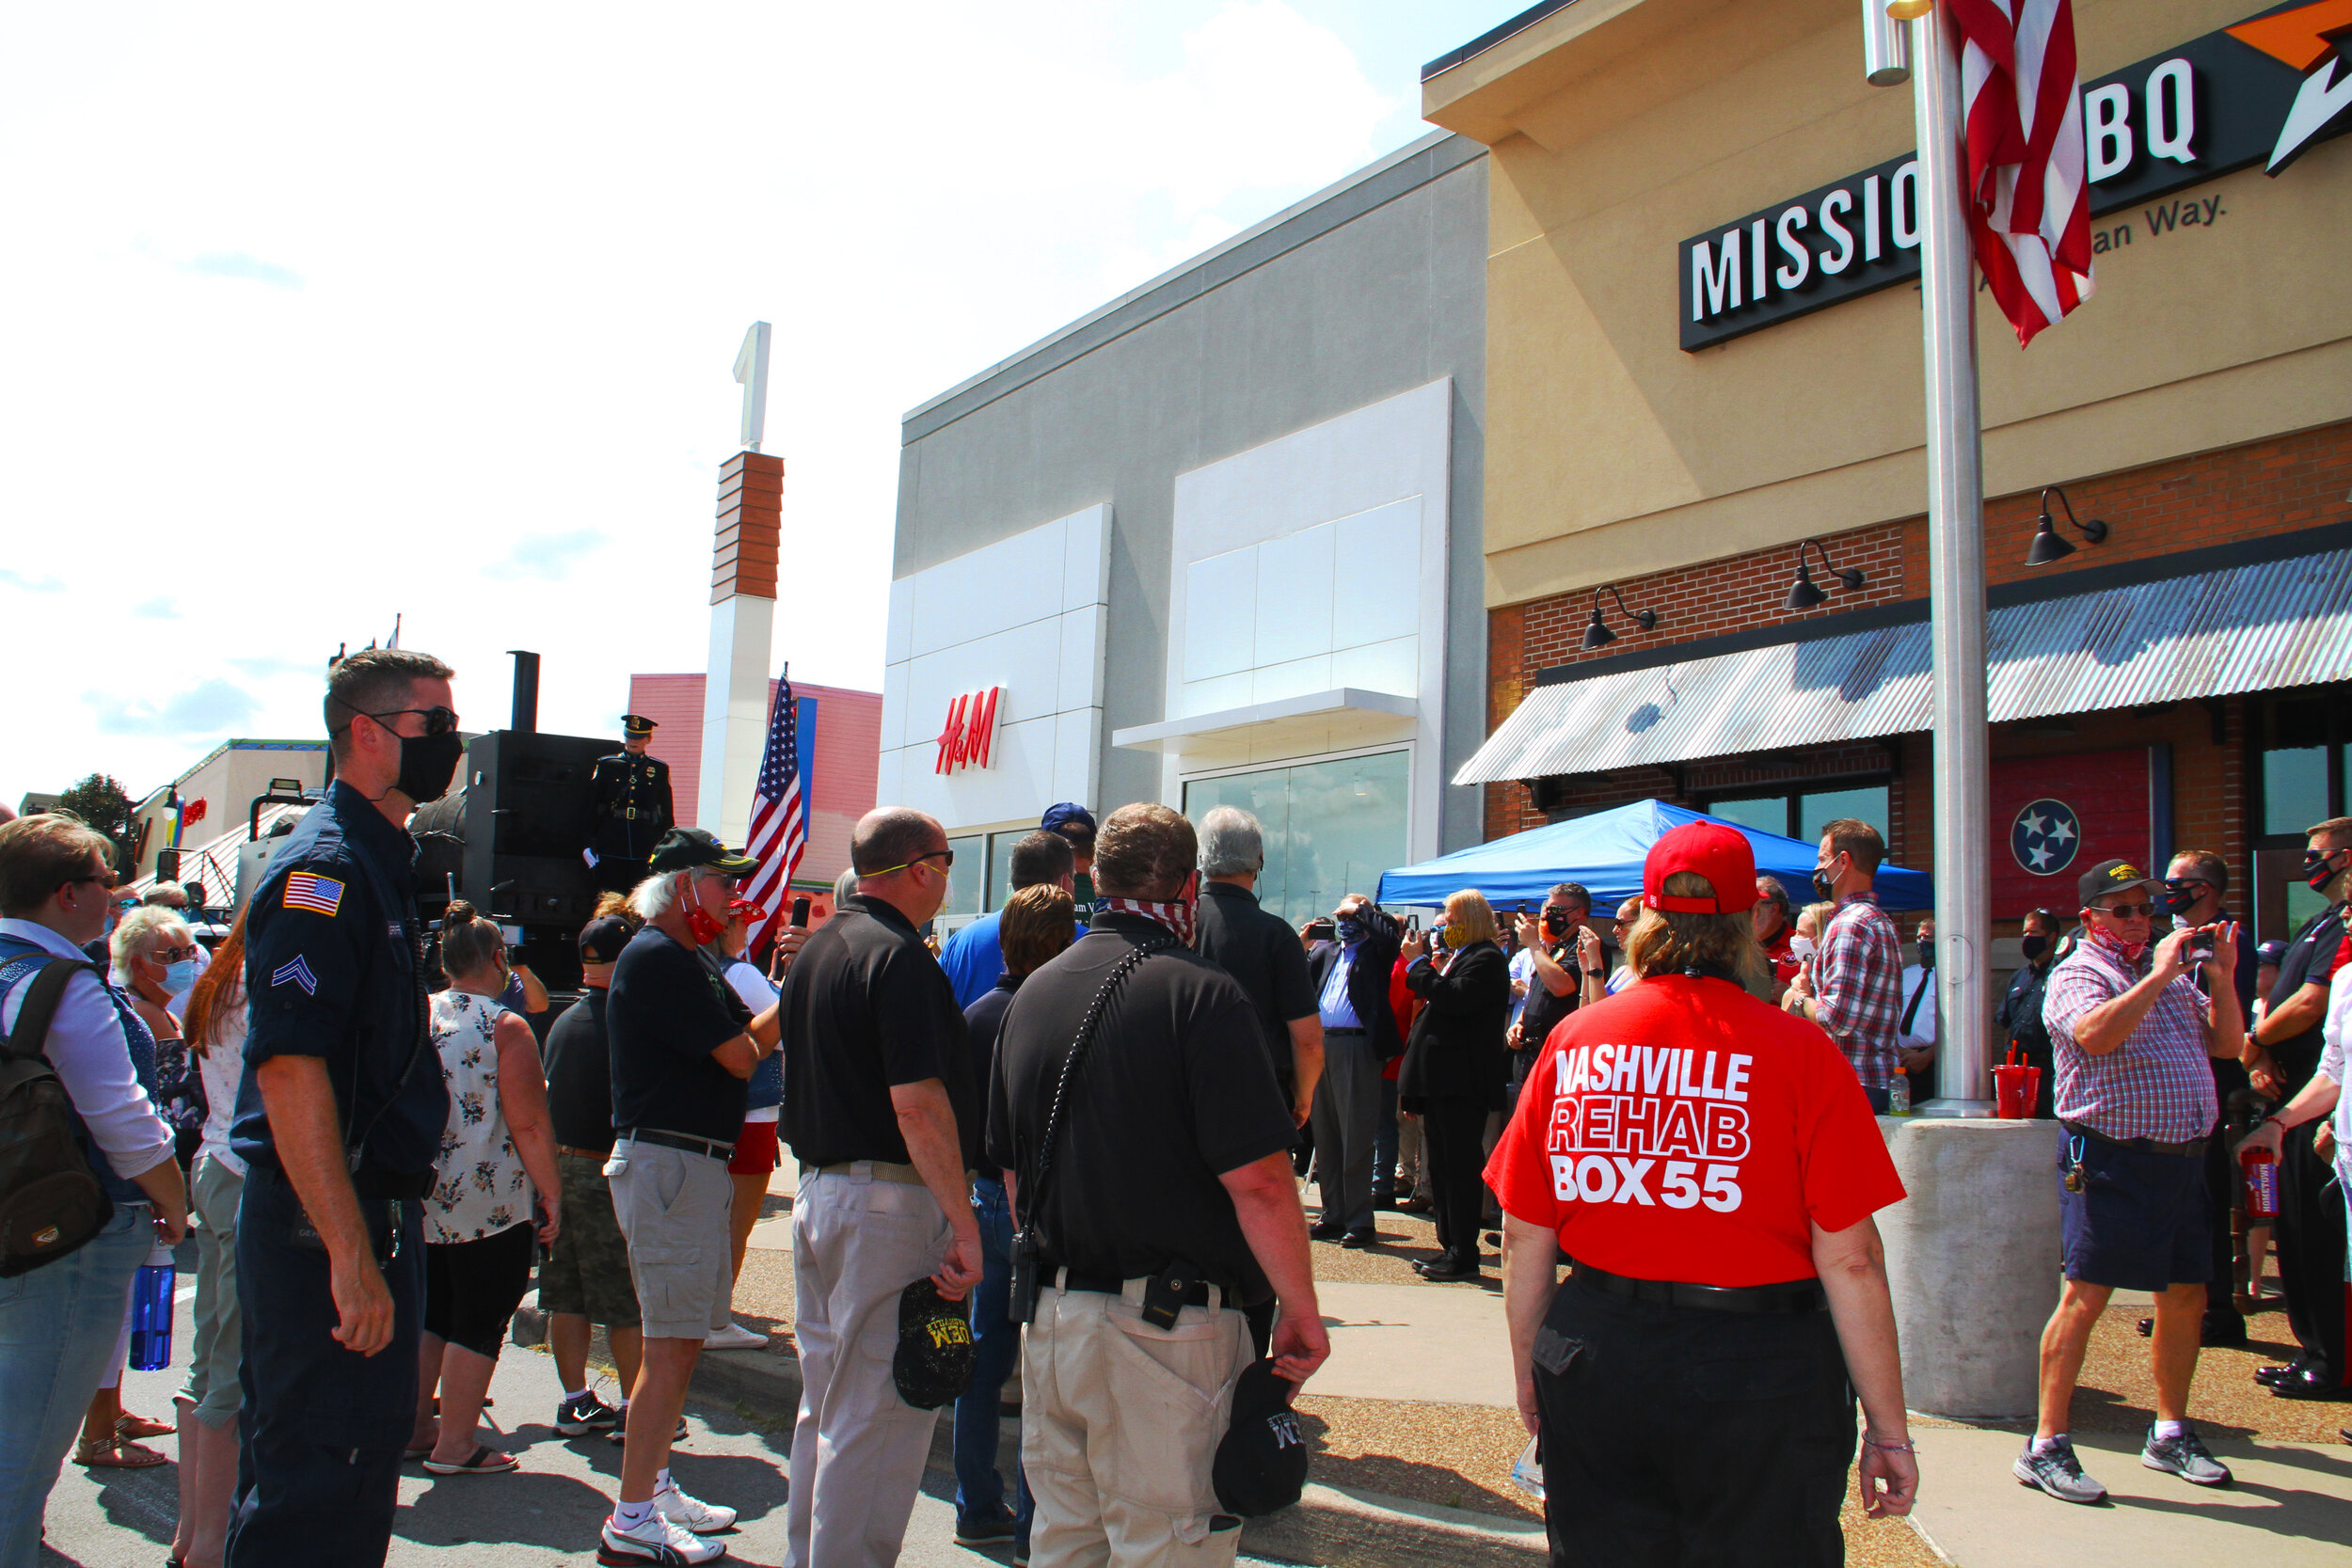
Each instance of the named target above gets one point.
<point>341,315</point>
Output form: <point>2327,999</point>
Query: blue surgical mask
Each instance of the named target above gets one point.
<point>1350,932</point>
<point>179,977</point>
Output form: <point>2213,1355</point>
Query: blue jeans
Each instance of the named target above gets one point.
<point>979,1490</point>
<point>58,1325</point>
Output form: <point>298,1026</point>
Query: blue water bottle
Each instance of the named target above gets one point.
<point>151,1311</point>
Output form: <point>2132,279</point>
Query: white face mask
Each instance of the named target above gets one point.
<point>1801,948</point>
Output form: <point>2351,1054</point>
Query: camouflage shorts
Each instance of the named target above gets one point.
<point>586,1272</point>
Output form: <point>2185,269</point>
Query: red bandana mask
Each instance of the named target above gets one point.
<point>704,926</point>
<point>2127,951</point>
<point>1176,916</point>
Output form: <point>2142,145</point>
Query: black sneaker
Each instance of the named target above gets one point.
<point>984,1532</point>
<point>585,1414</point>
<point>2184,1456</point>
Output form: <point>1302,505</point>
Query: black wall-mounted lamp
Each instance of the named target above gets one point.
<point>2048,543</point>
<point>1803,594</point>
<point>1598,634</point>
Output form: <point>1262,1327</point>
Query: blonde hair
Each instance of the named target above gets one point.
<point>137,926</point>
<point>1820,913</point>
<point>1471,908</point>
<point>1665,941</point>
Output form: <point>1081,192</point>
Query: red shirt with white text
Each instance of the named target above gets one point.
<point>1683,1129</point>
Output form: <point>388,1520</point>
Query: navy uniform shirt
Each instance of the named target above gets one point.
<point>333,950</point>
<point>630,796</point>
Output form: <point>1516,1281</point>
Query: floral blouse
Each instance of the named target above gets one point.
<point>480,1187</point>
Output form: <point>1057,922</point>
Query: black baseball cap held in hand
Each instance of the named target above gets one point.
<point>1262,1461</point>
<point>935,1356</point>
<point>683,849</point>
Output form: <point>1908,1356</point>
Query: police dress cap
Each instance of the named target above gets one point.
<point>1261,1462</point>
<point>602,938</point>
<point>1719,853</point>
<point>636,723</point>
<point>2271,952</point>
<point>2114,877</point>
<point>685,849</point>
<point>936,1354</point>
<point>1066,814</point>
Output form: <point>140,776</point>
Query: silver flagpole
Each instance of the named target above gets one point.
<point>1964,865</point>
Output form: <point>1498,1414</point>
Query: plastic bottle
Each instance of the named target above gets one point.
<point>1898,1096</point>
<point>2262,1183</point>
<point>151,1311</point>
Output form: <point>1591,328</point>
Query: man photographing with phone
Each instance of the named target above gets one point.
<point>1570,967</point>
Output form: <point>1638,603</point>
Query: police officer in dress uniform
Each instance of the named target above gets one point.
<point>339,1117</point>
<point>631,793</point>
<point>1710,1166</point>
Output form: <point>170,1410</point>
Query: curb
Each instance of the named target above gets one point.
<point>1329,1527</point>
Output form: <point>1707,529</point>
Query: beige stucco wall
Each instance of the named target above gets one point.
<point>1619,132</point>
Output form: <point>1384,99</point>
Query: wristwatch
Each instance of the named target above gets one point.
<point>1597,974</point>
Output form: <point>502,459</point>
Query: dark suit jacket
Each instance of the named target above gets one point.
<point>1457,1051</point>
<point>1368,983</point>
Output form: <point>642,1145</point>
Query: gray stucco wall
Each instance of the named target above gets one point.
<point>1377,288</point>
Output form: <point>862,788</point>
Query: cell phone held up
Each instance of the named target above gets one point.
<point>799,913</point>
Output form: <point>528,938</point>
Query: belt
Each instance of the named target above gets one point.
<point>686,1142</point>
<point>877,1170</point>
<point>1795,1295</point>
<point>583,1154</point>
<point>1341,1029</point>
<point>1111,1285</point>
<point>2193,1148</point>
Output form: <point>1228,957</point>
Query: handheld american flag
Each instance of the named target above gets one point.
<point>779,832</point>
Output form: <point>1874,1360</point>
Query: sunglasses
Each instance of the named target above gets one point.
<point>106,879</point>
<point>946,859</point>
<point>173,955</point>
<point>2126,911</point>
<point>438,721</point>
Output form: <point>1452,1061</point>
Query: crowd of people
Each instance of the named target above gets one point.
<point>1071,1138</point>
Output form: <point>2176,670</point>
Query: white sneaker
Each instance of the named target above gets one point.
<point>734,1337</point>
<point>658,1539</point>
<point>701,1518</point>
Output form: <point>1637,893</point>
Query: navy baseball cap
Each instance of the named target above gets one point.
<point>1068,814</point>
<point>1261,1463</point>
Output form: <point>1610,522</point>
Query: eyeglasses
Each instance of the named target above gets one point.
<point>2125,912</point>
<point>173,954</point>
<point>106,879</point>
<point>946,859</point>
<point>438,721</point>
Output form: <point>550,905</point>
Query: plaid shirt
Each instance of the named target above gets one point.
<point>2155,1085</point>
<point>1858,987</point>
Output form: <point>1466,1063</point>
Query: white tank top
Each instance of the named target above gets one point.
<point>480,1187</point>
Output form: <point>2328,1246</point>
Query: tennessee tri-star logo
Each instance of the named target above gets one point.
<point>2046,836</point>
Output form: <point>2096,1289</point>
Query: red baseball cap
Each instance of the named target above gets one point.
<point>1720,854</point>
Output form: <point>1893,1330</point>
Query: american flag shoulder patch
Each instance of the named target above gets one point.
<point>307,890</point>
<point>296,971</point>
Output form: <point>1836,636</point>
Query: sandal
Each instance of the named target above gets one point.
<point>128,1425</point>
<point>115,1453</point>
<point>484,1462</point>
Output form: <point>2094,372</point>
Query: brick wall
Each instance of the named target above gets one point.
<point>2276,486</point>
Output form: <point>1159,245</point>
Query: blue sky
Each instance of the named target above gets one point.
<point>321,315</point>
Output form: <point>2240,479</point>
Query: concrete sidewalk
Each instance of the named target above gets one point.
<point>2292,1506</point>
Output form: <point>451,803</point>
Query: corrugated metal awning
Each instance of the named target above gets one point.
<point>2245,629</point>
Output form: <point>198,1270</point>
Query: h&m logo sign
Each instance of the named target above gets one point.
<point>971,729</point>
<point>2262,91</point>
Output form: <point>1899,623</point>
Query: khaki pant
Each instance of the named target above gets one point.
<point>1119,1423</point>
<point>857,1449</point>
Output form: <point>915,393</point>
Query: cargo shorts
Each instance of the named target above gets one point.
<point>586,1272</point>
<point>674,1207</point>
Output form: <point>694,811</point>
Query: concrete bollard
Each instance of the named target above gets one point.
<point>1972,1260</point>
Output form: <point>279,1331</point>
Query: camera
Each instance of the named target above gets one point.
<point>2198,948</point>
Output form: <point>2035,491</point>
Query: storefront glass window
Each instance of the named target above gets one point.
<point>965,877</point>
<point>2294,788</point>
<point>1331,828</point>
<point>1767,813</point>
<point>1000,865</point>
<point>1816,812</point>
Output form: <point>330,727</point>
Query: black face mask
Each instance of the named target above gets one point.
<point>427,762</point>
<point>2317,871</point>
<point>2033,945</point>
<point>1555,923</point>
<point>1350,932</point>
<point>1823,887</point>
<point>2179,898</point>
<point>1927,951</point>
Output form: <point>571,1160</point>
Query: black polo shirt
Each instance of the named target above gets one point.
<point>1265,959</point>
<point>665,1014</point>
<point>865,1008</point>
<point>579,1075</point>
<point>983,1019</point>
<point>1174,1092</point>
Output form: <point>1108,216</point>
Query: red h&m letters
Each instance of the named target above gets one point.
<point>971,726</point>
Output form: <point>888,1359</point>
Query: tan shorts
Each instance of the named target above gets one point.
<point>674,1206</point>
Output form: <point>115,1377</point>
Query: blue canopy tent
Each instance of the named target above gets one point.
<point>1605,853</point>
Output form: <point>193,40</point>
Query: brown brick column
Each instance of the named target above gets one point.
<point>751,509</point>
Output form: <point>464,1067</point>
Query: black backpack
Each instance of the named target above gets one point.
<point>51,1201</point>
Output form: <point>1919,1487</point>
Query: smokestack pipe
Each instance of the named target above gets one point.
<point>526,717</point>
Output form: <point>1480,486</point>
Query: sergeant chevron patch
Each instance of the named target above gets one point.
<point>296,969</point>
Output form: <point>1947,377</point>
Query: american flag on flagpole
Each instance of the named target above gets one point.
<point>2029,203</point>
<point>779,832</point>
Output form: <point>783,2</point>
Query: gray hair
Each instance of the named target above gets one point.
<point>1231,843</point>
<point>170,896</point>
<point>657,896</point>
<point>844,886</point>
<point>136,926</point>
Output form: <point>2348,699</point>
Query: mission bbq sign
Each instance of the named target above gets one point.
<point>2216,103</point>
